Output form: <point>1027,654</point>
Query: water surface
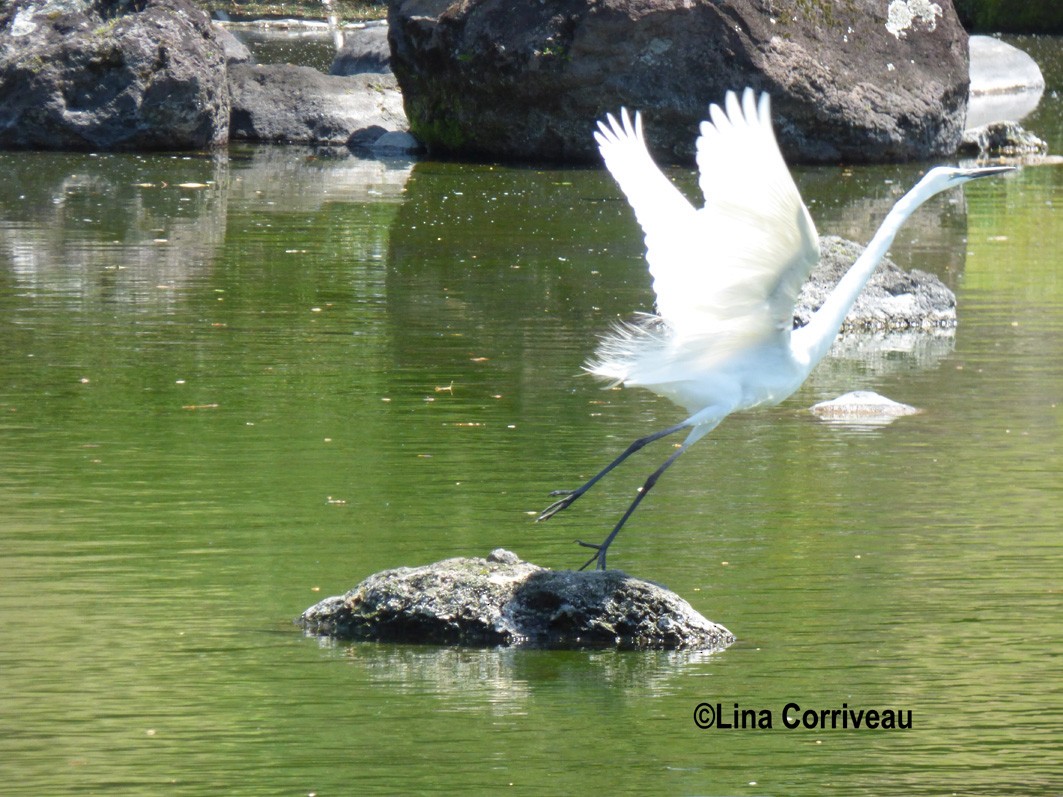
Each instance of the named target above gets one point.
<point>232,385</point>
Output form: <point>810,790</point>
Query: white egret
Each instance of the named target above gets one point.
<point>726,277</point>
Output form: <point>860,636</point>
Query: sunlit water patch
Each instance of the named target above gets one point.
<point>232,385</point>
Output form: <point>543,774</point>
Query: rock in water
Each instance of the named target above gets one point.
<point>84,76</point>
<point>851,80</point>
<point>502,600</point>
<point>893,299</point>
<point>286,103</point>
<point>862,407</point>
<point>1000,68</point>
<point>1001,138</point>
<point>365,50</point>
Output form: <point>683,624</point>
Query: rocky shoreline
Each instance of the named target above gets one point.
<point>94,75</point>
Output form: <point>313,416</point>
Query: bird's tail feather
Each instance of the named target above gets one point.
<point>626,346</point>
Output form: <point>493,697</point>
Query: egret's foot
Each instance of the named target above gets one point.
<point>557,506</point>
<point>598,557</point>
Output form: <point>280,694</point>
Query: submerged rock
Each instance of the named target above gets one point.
<point>863,407</point>
<point>893,299</point>
<point>502,600</point>
<point>1001,138</point>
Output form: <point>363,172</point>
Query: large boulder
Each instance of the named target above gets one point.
<point>86,76</point>
<point>853,80</point>
<point>1006,83</point>
<point>286,103</point>
<point>1000,68</point>
<point>502,600</point>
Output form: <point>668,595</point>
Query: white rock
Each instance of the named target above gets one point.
<point>862,407</point>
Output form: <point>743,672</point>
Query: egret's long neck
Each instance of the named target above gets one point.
<point>812,341</point>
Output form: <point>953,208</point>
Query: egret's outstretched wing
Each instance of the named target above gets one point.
<point>755,242</point>
<point>731,270</point>
<point>665,215</point>
<point>659,206</point>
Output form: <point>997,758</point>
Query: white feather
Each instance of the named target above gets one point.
<point>728,273</point>
<point>726,278</point>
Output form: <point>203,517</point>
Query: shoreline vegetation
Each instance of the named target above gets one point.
<point>346,10</point>
<point>977,16</point>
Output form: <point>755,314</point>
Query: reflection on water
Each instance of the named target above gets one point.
<point>508,678</point>
<point>111,228</point>
<point>231,384</point>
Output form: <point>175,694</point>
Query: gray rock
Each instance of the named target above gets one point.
<point>893,299</point>
<point>848,81</point>
<point>502,600</point>
<point>1001,138</point>
<point>236,52</point>
<point>396,143</point>
<point>365,50</point>
<point>862,407</point>
<point>74,76</point>
<point>285,103</point>
<point>999,68</point>
<point>1006,83</point>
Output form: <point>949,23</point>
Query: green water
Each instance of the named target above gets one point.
<point>232,386</point>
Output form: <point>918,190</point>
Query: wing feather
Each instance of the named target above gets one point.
<point>732,269</point>
<point>660,208</point>
<point>756,240</point>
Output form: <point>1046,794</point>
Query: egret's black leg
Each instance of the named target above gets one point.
<point>572,495</point>
<point>599,556</point>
